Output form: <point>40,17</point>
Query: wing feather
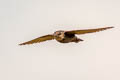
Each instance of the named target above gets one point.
<point>87,30</point>
<point>39,39</point>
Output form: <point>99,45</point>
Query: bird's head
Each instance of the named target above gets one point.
<point>59,33</point>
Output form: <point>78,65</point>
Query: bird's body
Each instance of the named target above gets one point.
<point>65,36</point>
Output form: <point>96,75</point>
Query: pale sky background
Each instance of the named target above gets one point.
<point>96,58</point>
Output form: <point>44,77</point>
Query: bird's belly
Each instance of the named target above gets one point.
<point>65,40</point>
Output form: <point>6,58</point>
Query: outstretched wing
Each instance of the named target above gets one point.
<point>40,39</point>
<point>87,30</point>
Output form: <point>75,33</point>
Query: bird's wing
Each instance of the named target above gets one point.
<point>40,39</point>
<point>87,30</point>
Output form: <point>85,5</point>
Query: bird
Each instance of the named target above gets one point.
<point>63,36</point>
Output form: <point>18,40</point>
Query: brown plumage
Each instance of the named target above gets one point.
<point>64,36</point>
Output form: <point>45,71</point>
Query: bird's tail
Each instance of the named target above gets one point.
<point>78,40</point>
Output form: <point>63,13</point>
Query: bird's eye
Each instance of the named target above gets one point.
<point>59,33</point>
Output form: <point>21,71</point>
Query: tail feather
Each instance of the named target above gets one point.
<point>78,40</point>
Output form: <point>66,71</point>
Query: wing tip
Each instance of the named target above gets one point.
<point>21,44</point>
<point>107,28</point>
<point>110,27</point>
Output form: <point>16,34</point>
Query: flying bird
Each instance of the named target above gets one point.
<point>65,36</point>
